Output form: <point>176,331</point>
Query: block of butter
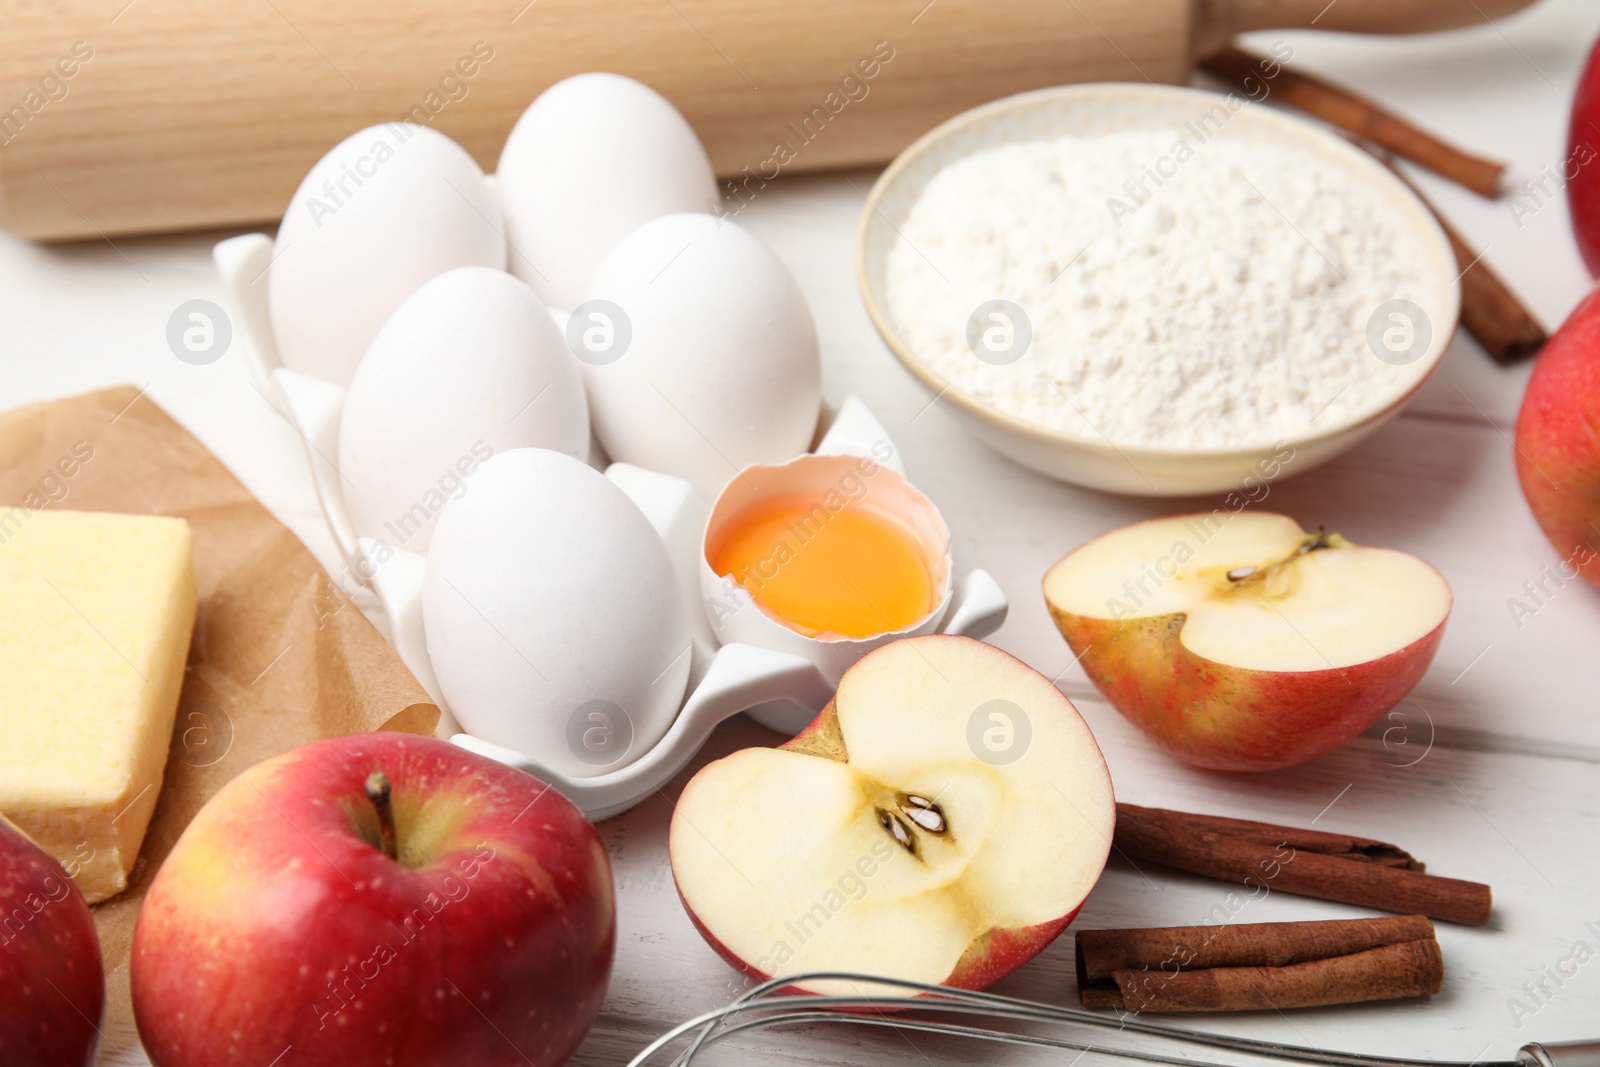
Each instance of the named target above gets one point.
<point>95,616</point>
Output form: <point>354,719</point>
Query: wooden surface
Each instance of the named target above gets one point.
<point>185,114</point>
<point>1507,791</point>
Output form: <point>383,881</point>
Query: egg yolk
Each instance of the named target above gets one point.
<point>853,572</point>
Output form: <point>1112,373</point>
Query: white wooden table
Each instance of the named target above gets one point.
<point>1508,792</point>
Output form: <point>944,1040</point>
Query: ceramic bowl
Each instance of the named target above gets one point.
<point>1083,110</point>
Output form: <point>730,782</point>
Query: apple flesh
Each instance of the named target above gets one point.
<point>1244,643</point>
<point>1558,440</point>
<point>52,985</point>
<point>279,926</point>
<point>942,820</point>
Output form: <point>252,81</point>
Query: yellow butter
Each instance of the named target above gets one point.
<point>95,616</point>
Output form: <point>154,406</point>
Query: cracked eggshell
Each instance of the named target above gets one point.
<point>720,367</point>
<point>553,619</point>
<point>385,210</point>
<point>593,157</point>
<point>735,615</point>
<point>468,366</point>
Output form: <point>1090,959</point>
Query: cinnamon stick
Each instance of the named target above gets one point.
<point>1490,311</point>
<point>1350,111</point>
<point>1258,966</point>
<point>1101,953</point>
<point>1311,863</point>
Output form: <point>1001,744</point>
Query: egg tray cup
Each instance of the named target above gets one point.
<point>783,688</point>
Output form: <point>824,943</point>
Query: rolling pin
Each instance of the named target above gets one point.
<point>158,115</point>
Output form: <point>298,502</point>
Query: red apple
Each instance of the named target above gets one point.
<point>1240,642</point>
<point>52,987</point>
<point>942,820</point>
<point>304,920</point>
<point>1558,440</point>
<point>1580,171</point>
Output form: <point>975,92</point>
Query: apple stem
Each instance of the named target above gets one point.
<point>378,793</point>
<point>1322,540</point>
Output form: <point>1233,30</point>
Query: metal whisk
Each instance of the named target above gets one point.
<point>766,1006</point>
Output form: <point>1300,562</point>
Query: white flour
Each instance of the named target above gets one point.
<point>1229,308</point>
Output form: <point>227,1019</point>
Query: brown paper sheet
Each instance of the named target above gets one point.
<point>280,657</point>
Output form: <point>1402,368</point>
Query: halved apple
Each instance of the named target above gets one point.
<point>941,820</point>
<point>1238,641</point>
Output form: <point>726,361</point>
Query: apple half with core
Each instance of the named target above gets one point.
<point>376,899</point>
<point>941,820</point>
<point>1240,642</point>
<point>52,986</point>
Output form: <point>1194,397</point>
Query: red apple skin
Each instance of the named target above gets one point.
<point>52,984</point>
<point>1583,144</point>
<point>1230,718</point>
<point>1558,439</point>
<point>277,932</point>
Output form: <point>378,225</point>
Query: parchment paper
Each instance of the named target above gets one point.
<point>280,657</point>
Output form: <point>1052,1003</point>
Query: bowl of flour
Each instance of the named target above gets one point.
<point>1155,290</point>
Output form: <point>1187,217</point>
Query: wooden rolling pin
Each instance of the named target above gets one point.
<point>153,115</point>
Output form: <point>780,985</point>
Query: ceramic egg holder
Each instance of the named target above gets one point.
<point>746,662</point>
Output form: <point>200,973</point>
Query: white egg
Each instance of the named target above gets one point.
<point>554,622</point>
<point>592,158</point>
<point>384,211</point>
<point>703,358</point>
<point>468,366</point>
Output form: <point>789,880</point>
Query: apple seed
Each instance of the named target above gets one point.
<point>897,828</point>
<point>1312,542</point>
<point>924,812</point>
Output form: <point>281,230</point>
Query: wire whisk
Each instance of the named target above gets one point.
<point>767,1005</point>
